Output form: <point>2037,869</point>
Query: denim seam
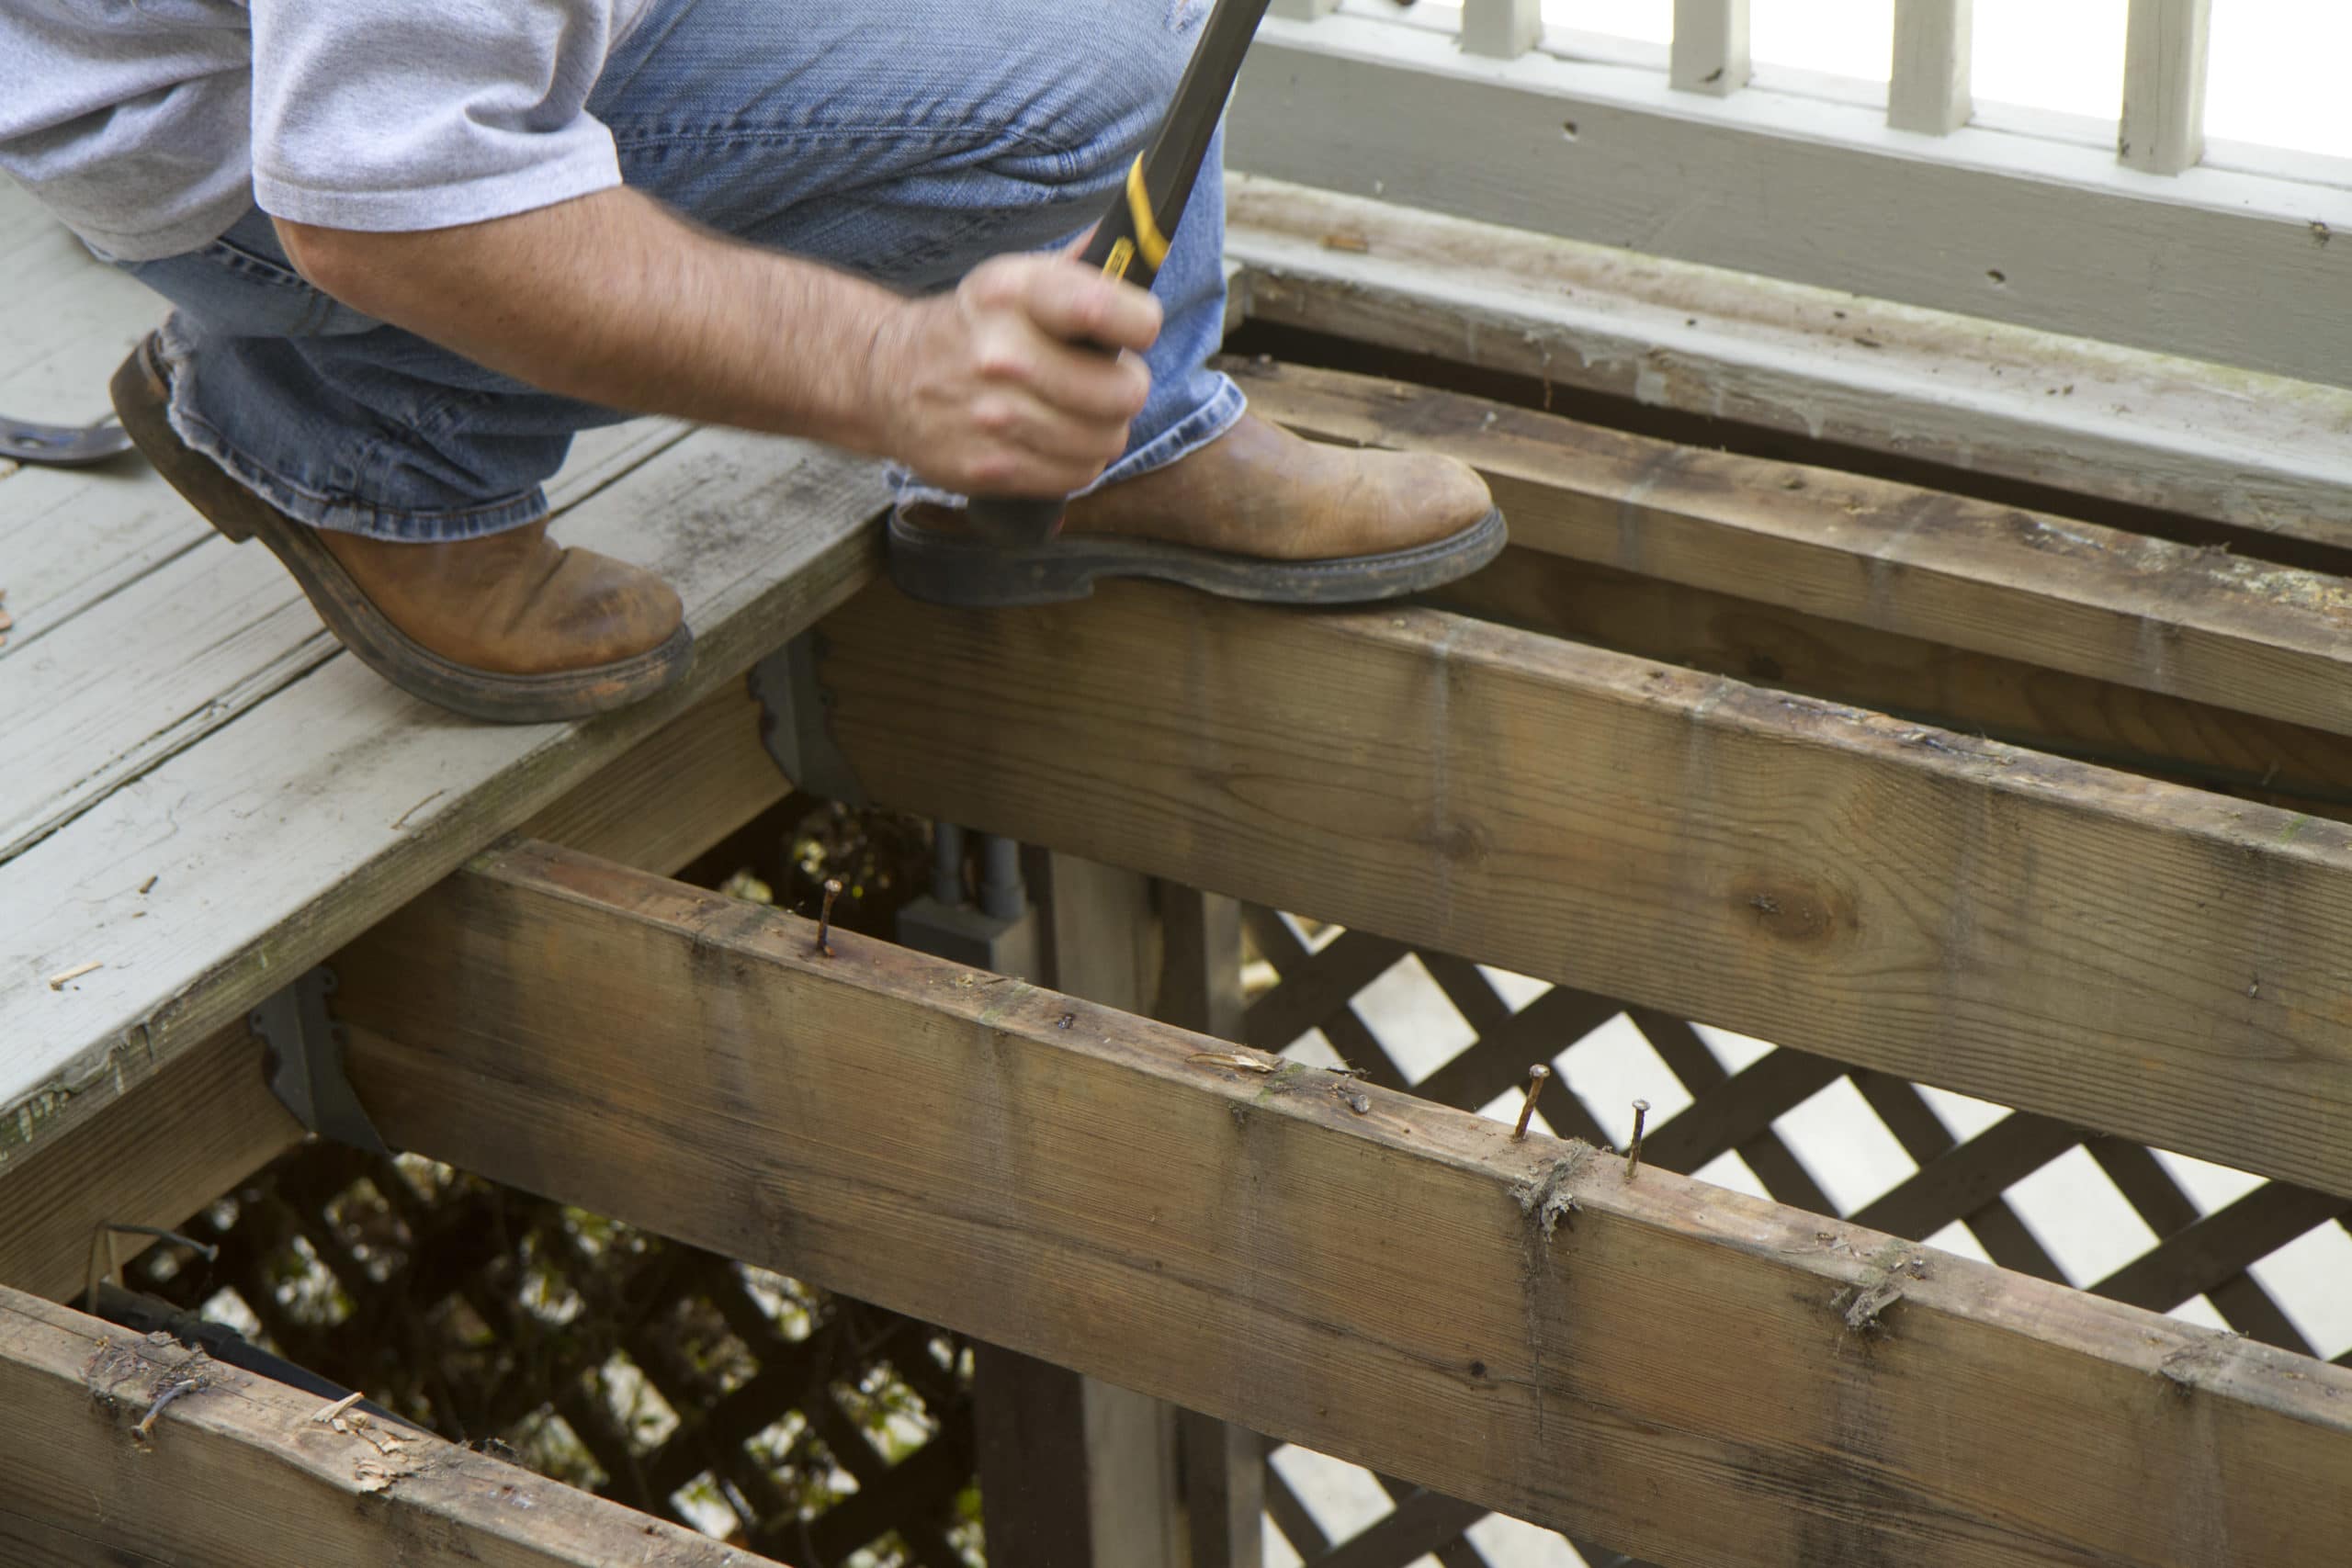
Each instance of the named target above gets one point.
<point>322,509</point>
<point>1065,162</point>
<point>349,513</point>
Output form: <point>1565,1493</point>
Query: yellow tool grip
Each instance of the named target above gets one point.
<point>1148,238</point>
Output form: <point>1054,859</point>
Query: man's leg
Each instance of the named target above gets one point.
<point>908,146</point>
<point>398,482</point>
<point>905,145</point>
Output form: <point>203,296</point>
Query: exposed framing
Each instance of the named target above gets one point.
<point>2263,454</point>
<point>2122,607</point>
<point>1192,1231</point>
<point>2136,956</point>
<point>237,1473</point>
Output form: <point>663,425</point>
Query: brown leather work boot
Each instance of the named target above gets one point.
<point>510,626</point>
<point>1258,514</point>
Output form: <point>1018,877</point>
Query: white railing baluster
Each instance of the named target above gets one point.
<point>2163,86</point>
<point>1927,90</point>
<point>1504,28</point>
<point>1710,46</point>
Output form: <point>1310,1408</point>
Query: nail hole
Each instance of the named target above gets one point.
<point>1568,130</point>
<point>1998,276</point>
<point>1477,1369</point>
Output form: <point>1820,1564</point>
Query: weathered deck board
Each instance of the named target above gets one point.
<point>236,1474</point>
<point>71,318</point>
<point>69,538</point>
<point>205,1121</point>
<point>2142,958</point>
<point>1668,1368</point>
<point>2142,612</point>
<point>277,837</point>
<point>172,653</point>
<point>2263,452</point>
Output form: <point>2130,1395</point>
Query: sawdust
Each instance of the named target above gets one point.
<point>1864,1303</point>
<point>2187,1369</point>
<point>1544,1197</point>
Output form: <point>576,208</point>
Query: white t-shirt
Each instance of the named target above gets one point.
<point>149,126</point>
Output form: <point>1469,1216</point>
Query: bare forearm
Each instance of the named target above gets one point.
<point>614,300</point>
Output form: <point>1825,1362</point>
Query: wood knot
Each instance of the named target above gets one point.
<point>1460,842</point>
<point>1792,910</point>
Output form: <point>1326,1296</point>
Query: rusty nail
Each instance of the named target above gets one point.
<point>1633,1149</point>
<point>825,915</point>
<point>1535,1077</point>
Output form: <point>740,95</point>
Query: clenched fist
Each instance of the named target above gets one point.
<point>1004,387</point>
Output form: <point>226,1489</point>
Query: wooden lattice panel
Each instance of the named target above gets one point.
<point>804,1426</point>
<point>1321,980</point>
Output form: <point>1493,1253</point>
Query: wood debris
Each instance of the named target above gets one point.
<point>1864,1302</point>
<point>331,1415</point>
<point>1233,1059</point>
<point>57,981</point>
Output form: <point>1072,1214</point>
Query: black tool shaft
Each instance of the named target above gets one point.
<point>1129,243</point>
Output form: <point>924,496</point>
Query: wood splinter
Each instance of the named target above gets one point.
<point>57,981</point>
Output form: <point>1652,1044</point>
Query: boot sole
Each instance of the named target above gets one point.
<point>141,393</point>
<point>971,573</point>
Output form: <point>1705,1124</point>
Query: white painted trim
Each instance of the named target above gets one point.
<point>2164,86</point>
<point>2212,264</point>
<point>1928,87</point>
<point>1710,46</point>
<point>1502,28</point>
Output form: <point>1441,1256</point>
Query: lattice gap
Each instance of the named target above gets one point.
<point>2214,1247</point>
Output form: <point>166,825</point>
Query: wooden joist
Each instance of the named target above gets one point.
<point>2263,455</point>
<point>1678,1370</point>
<point>234,1473</point>
<point>2188,622</point>
<point>2137,957</point>
<point>1983,694</point>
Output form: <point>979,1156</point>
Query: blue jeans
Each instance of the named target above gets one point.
<point>903,142</point>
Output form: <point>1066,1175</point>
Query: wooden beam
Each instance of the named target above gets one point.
<point>2285,765</point>
<point>1675,1369</point>
<point>1074,1471</point>
<point>2257,453</point>
<point>2144,959</point>
<point>675,793</point>
<point>1710,51</point>
<point>1928,88</point>
<point>236,1473</point>
<point>2124,607</point>
<point>202,1123</point>
<point>2162,126</point>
